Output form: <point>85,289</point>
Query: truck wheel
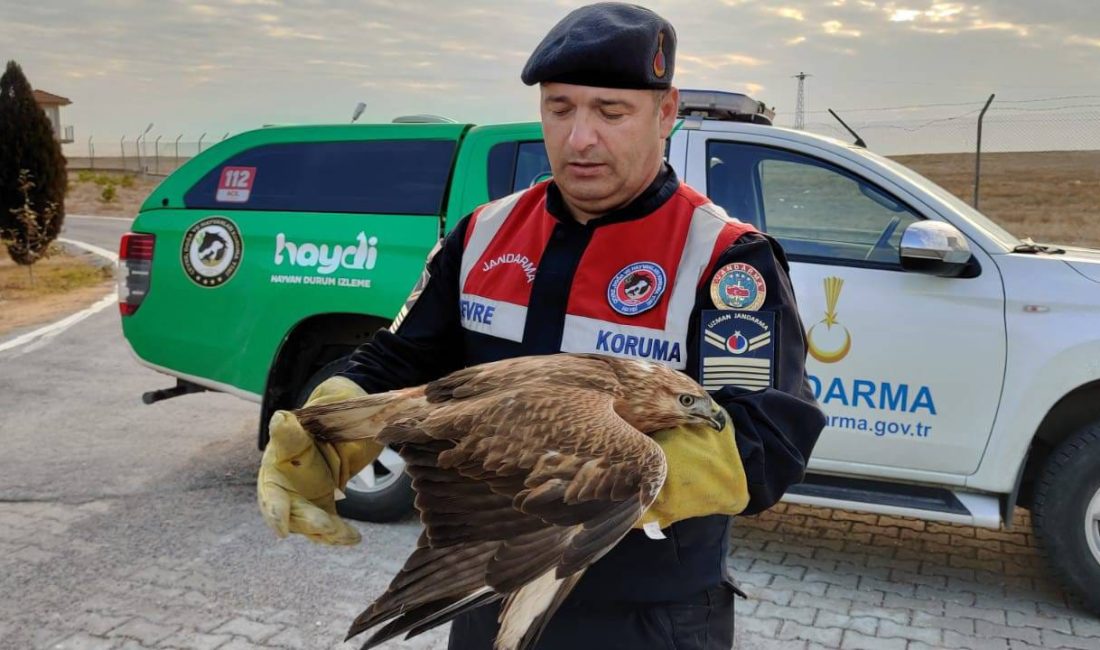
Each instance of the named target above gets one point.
<point>1066,514</point>
<point>382,491</point>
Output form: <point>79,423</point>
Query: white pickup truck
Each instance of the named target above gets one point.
<point>959,366</point>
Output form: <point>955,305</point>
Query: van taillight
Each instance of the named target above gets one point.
<point>135,262</point>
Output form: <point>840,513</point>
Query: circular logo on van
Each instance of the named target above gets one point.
<point>636,288</point>
<point>211,251</point>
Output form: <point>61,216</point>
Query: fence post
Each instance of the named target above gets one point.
<point>122,146</point>
<point>178,150</point>
<point>91,153</point>
<point>156,154</point>
<point>978,156</point>
<point>200,141</point>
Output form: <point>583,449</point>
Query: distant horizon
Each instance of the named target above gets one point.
<point>189,67</point>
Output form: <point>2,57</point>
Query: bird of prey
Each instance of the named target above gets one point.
<point>526,471</point>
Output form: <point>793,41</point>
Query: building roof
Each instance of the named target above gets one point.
<point>50,99</point>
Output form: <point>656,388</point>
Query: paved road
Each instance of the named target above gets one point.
<point>132,526</point>
<point>99,231</point>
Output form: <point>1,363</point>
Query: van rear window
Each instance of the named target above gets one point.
<point>376,176</point>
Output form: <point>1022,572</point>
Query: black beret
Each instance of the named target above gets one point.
<point>608,44</point>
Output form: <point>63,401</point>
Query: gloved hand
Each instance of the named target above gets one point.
<point>705,475</point>
<point>299,478</point>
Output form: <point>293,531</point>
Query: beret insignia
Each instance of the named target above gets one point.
<point>659,58</point>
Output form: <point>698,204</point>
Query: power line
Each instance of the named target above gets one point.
<point>951,104</point>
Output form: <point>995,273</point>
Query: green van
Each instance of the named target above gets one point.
<point>257,266</point>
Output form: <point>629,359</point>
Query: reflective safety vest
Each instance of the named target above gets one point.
<point>625,288</point>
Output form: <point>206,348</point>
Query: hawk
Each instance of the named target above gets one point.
<point>526,471</point>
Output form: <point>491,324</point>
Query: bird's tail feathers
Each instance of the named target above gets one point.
<point>422,618</point>
<point>527,611</point>
<point>360,417</point>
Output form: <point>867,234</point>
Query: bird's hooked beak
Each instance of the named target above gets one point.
<point>710,412</point>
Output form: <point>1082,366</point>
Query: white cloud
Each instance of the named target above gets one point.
<point>837,28</point>
<point>205,10</point>
<point>1083,40</point>
<point>1001,26</point>
<point>718,61</point>
<point>786,12</point>
<point>276,31</point>
<point>904,15</point>
<point>796,40</point>
<point>944,11</point>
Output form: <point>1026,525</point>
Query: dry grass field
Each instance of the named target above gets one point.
<point>1048,196</point>
<point>86,193</point>
<point>61,284</point>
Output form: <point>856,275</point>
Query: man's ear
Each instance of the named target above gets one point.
<point>670,105</point>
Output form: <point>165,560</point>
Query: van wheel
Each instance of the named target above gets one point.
<point>1066,514</point>
<point>382,491</point>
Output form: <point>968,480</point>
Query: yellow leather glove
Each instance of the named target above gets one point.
<point>705,476</point>
<point>299,478</point>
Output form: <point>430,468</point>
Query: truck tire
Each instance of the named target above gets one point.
<point>383,491</point>
<point>1066,514</point>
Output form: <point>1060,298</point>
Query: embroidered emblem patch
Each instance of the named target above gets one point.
<point>736,349</point>
<point>738,286</point>
<point>636,288</point>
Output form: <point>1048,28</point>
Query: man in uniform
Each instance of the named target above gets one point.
<point>613,255</point>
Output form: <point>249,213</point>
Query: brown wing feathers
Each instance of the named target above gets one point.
<point>524,476</point>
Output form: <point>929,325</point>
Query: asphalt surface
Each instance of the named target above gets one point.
<point>99,231</point>
<point>108,507</point>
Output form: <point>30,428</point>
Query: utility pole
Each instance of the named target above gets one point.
<point>800,104</point>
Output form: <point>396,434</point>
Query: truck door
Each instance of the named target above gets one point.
<point>907,366</point>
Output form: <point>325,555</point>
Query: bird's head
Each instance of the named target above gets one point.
<point>657,397</point>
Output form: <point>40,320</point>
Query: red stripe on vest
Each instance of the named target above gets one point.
<point>507,268</point>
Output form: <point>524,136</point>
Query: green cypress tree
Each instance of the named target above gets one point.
<point>30,215</point>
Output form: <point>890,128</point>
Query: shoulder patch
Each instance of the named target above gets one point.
<point>736,348</point>
<point>738,286</point>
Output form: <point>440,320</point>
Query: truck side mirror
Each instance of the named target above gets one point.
<point>935,248</point>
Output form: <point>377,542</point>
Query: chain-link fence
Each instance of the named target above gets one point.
<point>158,155</point>
<point>1039,167</point>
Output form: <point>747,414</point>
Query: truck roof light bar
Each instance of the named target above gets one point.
<point>725,106</point>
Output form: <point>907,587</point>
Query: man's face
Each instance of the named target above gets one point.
<point>605,144</point>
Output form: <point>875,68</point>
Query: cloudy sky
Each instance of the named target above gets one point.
<point>229,65</point>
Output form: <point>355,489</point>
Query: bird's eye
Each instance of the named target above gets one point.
<point>687,400</point>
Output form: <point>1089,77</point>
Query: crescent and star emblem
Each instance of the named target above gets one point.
<point>831,352</point>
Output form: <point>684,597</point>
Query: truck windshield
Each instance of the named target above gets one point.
<point>996,232</point>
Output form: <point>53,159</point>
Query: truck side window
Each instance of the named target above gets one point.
<point>815,210</point>
<point>515,166</point>
<point>532,165</point>
<point>370,176</point>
